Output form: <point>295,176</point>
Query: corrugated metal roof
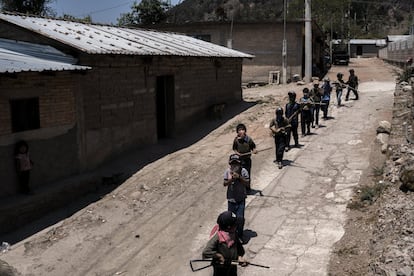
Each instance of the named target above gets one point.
<point>99,39</point>
<point>392,38</point>
<point>376,42</point>
<point>22,56</point>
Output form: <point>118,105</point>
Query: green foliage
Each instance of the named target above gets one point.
<point>86,19</point>
<point>371,193</point>
<point>34,7</point>
<point>147,12</point>
<point>342,18</point>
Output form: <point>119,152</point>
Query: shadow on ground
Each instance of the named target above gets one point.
<point>25,215</point>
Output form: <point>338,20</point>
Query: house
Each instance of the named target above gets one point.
<point>37,100</point>
<point>365,47</point>
<point>137,86</point>
<point>264,40</point>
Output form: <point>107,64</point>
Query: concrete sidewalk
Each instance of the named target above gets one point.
<point>305,213</point>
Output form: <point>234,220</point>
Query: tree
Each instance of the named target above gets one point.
<point>86,19</point>
<point>34,7</point>
<point>147,12</point>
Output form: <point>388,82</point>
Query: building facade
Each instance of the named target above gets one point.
<point>264,40</point>
<point>142,86</point>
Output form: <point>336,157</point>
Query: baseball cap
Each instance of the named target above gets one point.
<point>226,219</point>
<point>234,158</point>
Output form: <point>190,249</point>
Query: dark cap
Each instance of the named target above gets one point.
<point>226,220</point>
<point>234,158</point>
<point>292,94</point>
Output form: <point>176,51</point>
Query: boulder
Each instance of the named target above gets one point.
<point>384,127</point>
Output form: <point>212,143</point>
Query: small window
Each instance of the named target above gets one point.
<point>25,114</point>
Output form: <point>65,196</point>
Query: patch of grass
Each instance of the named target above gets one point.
<point>405,74</point>
<point>378,171</point>
<point>367,195</point>
<point>371,193</point>
<point>356,205</point>
<point>349,250</point>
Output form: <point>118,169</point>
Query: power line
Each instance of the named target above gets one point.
<point>107,9</point>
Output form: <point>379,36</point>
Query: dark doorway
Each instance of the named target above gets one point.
<point>165,106</point>
<point>359,51</point>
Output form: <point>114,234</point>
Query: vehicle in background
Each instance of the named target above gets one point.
<point>340,53</point>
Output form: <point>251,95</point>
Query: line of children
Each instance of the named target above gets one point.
<point>226,238</point>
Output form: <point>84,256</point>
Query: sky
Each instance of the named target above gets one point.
<point>101,11</point>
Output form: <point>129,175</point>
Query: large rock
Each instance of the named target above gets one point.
<point>383,139</point>
<point>384,127</point>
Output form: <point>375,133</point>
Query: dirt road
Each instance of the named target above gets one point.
<point>160,218</point>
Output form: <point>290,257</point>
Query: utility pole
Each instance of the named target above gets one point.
<point>284,49</point>
<point>308,41</point>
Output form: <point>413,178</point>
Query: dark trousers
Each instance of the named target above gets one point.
<point>238,209</point>
<point>315,114</point>
<point>305,121</point>
<point>280,143</point>
<point>353,91</point>
<point>292,131</point>
<point>225,270</point>
<point>325,109</point>
<point>247,164</point>
<point>23,178</point>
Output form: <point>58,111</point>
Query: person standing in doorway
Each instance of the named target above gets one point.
<point>23,166</point>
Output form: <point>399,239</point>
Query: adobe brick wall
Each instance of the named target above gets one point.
<point>118,98</point>
<point>53,147</point>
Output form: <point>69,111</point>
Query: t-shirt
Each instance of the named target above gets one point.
<point>236,191</point>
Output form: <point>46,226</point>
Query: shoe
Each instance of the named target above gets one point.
<point>317,126</point>
<point>308,133</point>
<point>274,161</point>
<point>287,149</point>
<point>346,99</point>
<point>313,126</point>
<point>297,145</point>
<point>280,165</point>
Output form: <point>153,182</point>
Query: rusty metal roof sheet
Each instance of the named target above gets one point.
<point>23,57</point>
<point>100,39</point>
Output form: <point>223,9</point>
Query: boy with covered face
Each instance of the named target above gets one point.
<point>224,247</point>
